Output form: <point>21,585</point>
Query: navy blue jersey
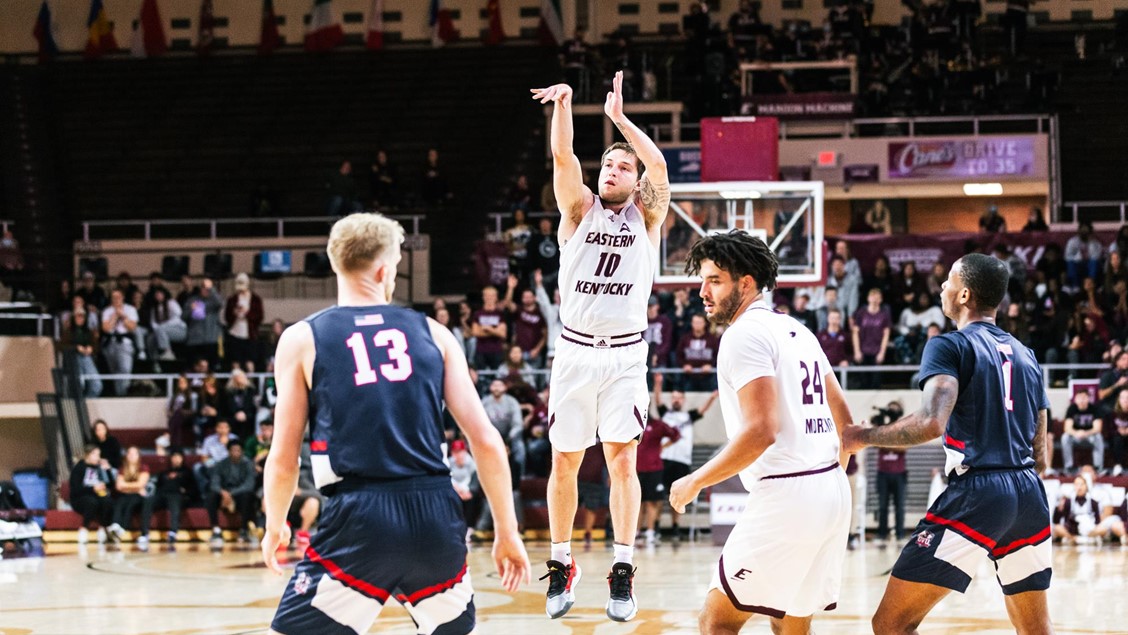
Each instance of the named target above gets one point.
<point>375,407</point>
<point>1001,392</point>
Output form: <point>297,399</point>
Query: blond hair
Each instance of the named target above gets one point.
<point>358,240</point>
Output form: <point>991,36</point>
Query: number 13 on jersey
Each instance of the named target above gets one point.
<point>398,369</point>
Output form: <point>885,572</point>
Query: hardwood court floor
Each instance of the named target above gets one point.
<point>195,592</point>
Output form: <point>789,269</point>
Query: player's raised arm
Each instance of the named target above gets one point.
<point>927,423</point>
<point>654,187</point>
<point>488,449</point>
<point>759,409</point>
<point>572,196</point>
<point>280,477</point>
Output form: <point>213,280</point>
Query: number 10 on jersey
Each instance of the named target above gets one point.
<point>395,341</point>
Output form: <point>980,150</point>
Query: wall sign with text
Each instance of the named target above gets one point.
<point>962,159</point>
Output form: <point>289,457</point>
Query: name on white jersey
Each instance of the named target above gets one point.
<point>819,425</point>
<point>610,240</point>
<point>603,288</point>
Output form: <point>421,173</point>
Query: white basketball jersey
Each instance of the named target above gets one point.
<point>763,343</point>
<point>606,272</point>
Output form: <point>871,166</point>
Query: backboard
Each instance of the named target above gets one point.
<point>787,215</point>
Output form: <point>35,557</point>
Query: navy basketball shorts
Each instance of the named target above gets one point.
<point>402,539</point>
<point>1001,516</point>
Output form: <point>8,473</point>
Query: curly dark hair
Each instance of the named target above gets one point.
<point>739,253</point>
<point>986,278</point>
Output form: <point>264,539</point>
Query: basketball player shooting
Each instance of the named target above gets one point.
<point>371,379</point>
<point>783,411</point>
<point>608,258</point>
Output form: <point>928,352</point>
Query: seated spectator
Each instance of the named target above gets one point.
<point>343,195</point>
<point>1051,266</point>
<point>833,339</point>
<point>165,326</point>
<point>90,485</point>
<point>1113,381</point>
<point>530,331</point>
<point>107,443</point>
<point>1079,516</point>
<point>905,287</point>
<point>257,448</point>
<point>124,283</point>
<point>238,404</point>
<point>243,315</point>
<point>935,281</point>
<point>520,197</point>
<point>202,312</point>
<point>383,182</point>
<point>658,335</point>
<point>830,302</point>
<point>574,59</point>
<point>490,331</point>
<point>212,451</point>
<point>232,488</point>
<point>650,468</point>
<point>208,405</point>
<point>516,369</point>
<point>1035,222</point>
<point>1083,254</point>
<point>992,222</point>
<point>464,478</point>
<point>132,481</point>
<point>504,413</point>
<point>182,413</point>
<point>79,341</point>
<point>434,189</point>
<point>881,278</point>
<point>870,335</point>
<point>1015,323</point>
<point>1086,344</point>
<point>91,293</point>
<point>517,239</point>
<point>173,488</point>
<point>697,356</point>
<point>845,286</point>
<point>806,316</point>
<point>1119,431</point>
<point>919,314</point>
<point>544,251</point>
<point>1083,425</point>
<point>119,323</point>
<point>538,451</point>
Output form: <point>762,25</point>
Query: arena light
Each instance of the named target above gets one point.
<point>983,189</point>
<point>740,194</point>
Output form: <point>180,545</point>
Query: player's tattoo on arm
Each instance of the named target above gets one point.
<point>940,393</point>
<point>655,197</point>
<point>1040,458</point>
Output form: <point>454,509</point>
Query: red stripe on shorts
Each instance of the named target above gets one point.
<point>340,576</point>
<point>319,446</point>
<point>1032,540</point>
<point>955,443</point>
<point>963,529</point>
<point>434,589</point>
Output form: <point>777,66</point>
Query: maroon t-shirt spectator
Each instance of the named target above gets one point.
<point>593,465</point>
<point>649,453</point>
<point>698,351</point>
<point>659,334</point>
<point>489,344</point>
<point>528,328</point>
<point>834,345</point>
<point>870,329</point>
<point>890,461</point>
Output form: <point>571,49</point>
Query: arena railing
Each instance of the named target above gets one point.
<point>844,373</point>
<point>278,225</point>
<point>17,322</point>
<point>1112,213</point>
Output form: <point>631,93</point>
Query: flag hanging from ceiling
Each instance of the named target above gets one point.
<point>149,36</point>
<point>44,33</point>
<point>324,32</point>
<point>551,26</point>
<point>442,25</point>
<point>496,34</point>
<point>206,39</point>
<point>100,34</point>
<point>375,37</point>
<point>269,38</point>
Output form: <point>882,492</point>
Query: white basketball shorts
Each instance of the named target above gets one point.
<point>596,392</point>
<point>784,556</point>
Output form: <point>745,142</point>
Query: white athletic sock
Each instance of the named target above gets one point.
<point>624,553</point>
<point>562,552</point>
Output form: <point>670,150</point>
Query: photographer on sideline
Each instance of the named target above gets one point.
<point>892,477</point>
